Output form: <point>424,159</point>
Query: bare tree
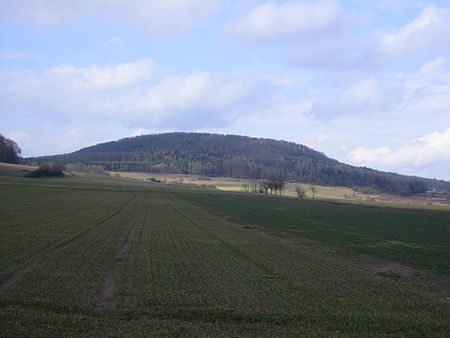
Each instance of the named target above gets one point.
<point>246,187</point>
<point>272,185</point>
<point>276,184</point>
<point>280,184</point>
<point>254,185</point>
<point>264,186</point>
<point>313,190</point>
<point>300,192</point>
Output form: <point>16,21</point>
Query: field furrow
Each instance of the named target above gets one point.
<point>107,297</point>
<point>11,280</point>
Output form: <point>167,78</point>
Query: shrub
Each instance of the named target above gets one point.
<point>47,170</point>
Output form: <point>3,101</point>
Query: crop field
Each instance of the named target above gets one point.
<point>417,238</point>
<point>99,256</point>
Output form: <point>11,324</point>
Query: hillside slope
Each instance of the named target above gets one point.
<point>238,156</point>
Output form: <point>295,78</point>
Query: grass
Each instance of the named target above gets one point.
<point>235,184</point>
<point>104,256</point>
<point>326,193</point>
<point>7,169</point>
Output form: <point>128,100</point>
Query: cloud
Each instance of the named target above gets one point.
<point>94,78</point>
<point>311,31</point>
<point>190,101</point>
<point>423,92</point>
<point>141,131</point>
<point>273,21</point>
<point>64,83</point>
<point>428,90</point>
<point>154,17</point>
<point>115,41</point>
<point>429,32</point>
<point>367,50</point>
<point>431,149</point>
<point>128,94</point>
<point>60,140</point>
<point>369,96</point>
<point>20,137</point>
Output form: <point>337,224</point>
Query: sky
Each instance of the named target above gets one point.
<point>366,82</point>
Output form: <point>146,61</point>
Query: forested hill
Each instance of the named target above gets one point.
<point>238,156</point>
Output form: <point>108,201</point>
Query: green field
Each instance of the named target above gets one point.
<point>107,256</point>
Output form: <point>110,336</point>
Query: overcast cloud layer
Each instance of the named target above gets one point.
<point>367,83</point>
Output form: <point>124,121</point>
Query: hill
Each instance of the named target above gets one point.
<point>238,156</point>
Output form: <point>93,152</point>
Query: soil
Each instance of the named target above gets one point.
<point>107,297</point>
<point>413,199</point>
<point>391,270</point>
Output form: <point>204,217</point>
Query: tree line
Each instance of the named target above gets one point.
<point>9,150</point>
<point>272,184</point>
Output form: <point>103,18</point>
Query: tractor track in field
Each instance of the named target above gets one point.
<point>230,247</point>
<point>129,299</point>
<point>6,283</point>
<point>276,278</point>
<point>107,298</point>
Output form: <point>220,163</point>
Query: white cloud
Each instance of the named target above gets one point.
<point>155,17</point>
<point>95,78</point>
<point>20,137</point>
<point>69,79</point>
<point>431,149</point>
<point>279,21</point>
<point>363,156</point>
<point>432,69</point>
<point>430,31</point>
<point>426,91</point>
<point>141,131</point>
<point>115,41</point>
<point>364,50</point>
<point>124,93</point>
<point>369,96</point>
<point>189,101</point>
<point>278,119</point>
<point>66,87</point>
<point>59,140</point>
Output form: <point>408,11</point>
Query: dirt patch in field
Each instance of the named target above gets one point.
<point>298,241</point>
<point>391,270</point>
<point>418,200</point>
<point>284,237</point>
<point>107,297</point>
